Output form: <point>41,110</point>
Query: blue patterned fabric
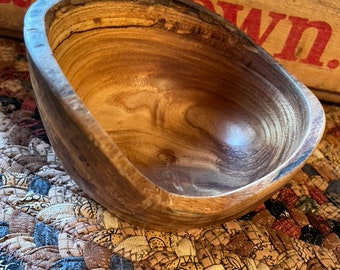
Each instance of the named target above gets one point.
<point>119,263</point>
<point>39,185</point>
<point>4,229</point>
<point>45,235</point>
<point>8,262</point>
<point>74,263</point>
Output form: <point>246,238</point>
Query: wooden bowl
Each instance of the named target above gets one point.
<point>165,113</point>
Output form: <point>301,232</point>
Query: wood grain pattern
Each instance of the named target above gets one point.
<point>173,117</point>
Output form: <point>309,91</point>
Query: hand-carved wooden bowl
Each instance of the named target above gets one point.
<point>165,113</point>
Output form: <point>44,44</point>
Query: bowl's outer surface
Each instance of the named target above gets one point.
<point>109,171</point>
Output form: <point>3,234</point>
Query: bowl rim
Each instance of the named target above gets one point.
<point>41,57</point>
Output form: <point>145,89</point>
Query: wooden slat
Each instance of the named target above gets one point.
<point>304,36</point>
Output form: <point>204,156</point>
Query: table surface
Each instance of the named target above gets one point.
<point>47,222</point>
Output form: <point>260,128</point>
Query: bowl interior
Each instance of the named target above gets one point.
<point>189,107</point>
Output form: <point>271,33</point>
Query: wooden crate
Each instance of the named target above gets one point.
<point>303,35</point>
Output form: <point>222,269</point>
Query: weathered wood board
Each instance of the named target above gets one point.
<point>304,36</point>
<point>11,17</point>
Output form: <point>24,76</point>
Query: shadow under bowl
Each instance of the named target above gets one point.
<point>165,113</point>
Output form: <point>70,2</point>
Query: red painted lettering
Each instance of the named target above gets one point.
<point>299,25</point>
<point>230,11</point>
<point>22,3</point>
<point>251,25</point>
<point>205,3</point>
<point>19,3</point>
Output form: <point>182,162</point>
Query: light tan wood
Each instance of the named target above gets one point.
<point>302,35</point>
<point>165,113</point>
<point>12,17</point>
